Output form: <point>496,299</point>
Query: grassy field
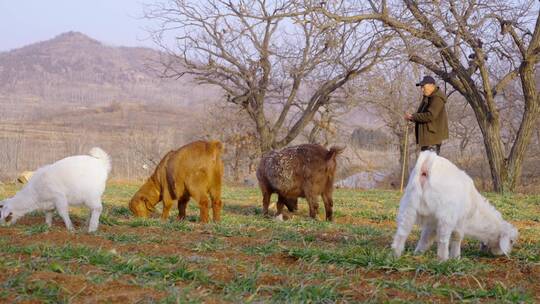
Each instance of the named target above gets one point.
<point>247,258</point>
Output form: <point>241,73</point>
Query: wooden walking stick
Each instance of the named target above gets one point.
<point>404,156</point>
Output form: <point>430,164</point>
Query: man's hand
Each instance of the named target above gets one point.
<point>408,116</point>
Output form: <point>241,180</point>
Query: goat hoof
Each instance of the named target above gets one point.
<point>396,252</point>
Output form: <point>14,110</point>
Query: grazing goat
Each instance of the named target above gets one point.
<point>74,180</point>
<point>442,199</point>
<point>302,171</point>
<point>194,170</point>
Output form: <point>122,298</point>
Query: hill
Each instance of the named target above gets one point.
<point>64,95</point>
<point>73,68</point>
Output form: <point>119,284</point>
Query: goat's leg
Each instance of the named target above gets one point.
<point>427,237</point>
<point>455,244</point>
<point>49,217</point>
<point>313,206</point>
<point>279,207</point>
<point>217,204</point>
<point>182,205</point>
<point>328,204</point>
<point>167,205</point>
<point>406,220</point>
<point>292,204</point>
<point>267,194</point>
<point>63,210</point>
<point>94,218</point>
<point>444,231</point>
<point>203,201</point>
<point>216,209</point>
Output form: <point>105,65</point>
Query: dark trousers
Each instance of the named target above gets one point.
<point>434,148</point>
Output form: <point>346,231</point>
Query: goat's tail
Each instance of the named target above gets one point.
<point>101,155</point>
<point>415,187</point>
<point>216,148</point>
<point>421,171</point>
<point>334,151</point>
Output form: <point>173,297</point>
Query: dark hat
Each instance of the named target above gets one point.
<point>426,80</point>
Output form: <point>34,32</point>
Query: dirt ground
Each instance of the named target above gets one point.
<point>249,258</point>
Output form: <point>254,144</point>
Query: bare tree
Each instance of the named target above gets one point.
<point>235,130</point>
<point>478,47</point>
<point>278,65</point>
<point>328,127</point>
<point>388,94</point>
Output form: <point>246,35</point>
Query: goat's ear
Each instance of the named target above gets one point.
<point>504,244</point>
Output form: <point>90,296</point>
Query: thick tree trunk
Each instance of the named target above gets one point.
<point>528,123</point>
<point>519,149</point>
<point>495,153</point>
<point>506,171</point>
<point>266,138</point>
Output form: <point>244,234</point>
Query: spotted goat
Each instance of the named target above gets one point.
<point>305,171</point>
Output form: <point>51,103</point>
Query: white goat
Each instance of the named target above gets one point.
<point>73,180</point>
<point>442,199</point>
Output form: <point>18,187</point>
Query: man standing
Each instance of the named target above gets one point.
<point>430,120</point>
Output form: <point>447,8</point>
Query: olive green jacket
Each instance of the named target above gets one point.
<point>431,120</point>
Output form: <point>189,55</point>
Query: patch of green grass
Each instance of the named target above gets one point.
<point>144,269</point>
<point>243,284</point>
<point>516,206</point>
<point>176,225</point>
<point>528,252</point>
<point>120,211</point>
<point>304,293</point>
<point>36,229</point>
<point>366,231</point>
<point>35,290</point>
<point>209,245</point>
<point>288,235</point>
<point>107,219</point>
<point>223,230</point>
<point>263,250</point>
<point>242,209</point>
<point>374,215</point>
<point>80,254</point>
<point>373,258</point>
<point>123,238</point>
<point>144,222</point>
<point>498,292</point>
<point>229,229</point>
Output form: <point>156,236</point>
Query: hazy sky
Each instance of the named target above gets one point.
<point>114,22</point>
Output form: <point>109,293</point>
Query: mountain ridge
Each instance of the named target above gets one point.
<point>73,68</point>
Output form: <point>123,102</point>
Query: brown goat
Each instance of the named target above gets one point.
<point>194,170</point>
<point>302,171</point>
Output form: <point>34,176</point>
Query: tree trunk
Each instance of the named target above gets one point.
<point>495,153</point>
<point>266,138</point>
<point>519,149</point>
<point>528,123</point>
